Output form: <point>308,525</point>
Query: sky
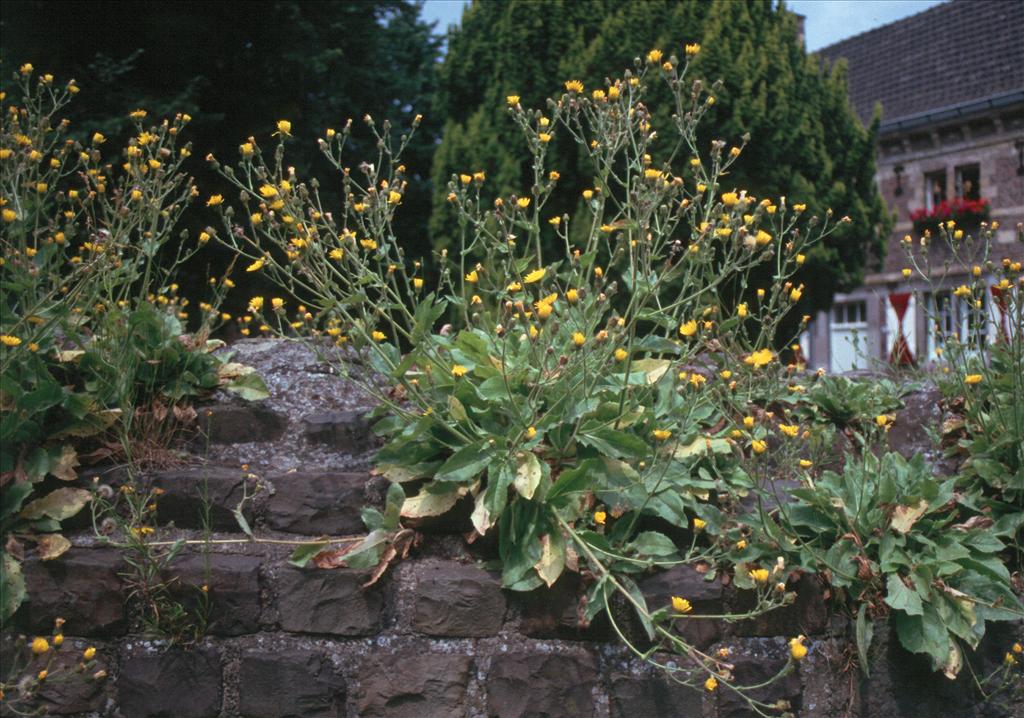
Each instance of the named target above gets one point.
<point>828,21</point>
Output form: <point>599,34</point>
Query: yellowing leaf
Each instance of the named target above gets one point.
<point>528,474</point>
<point>552,558</point>
<point>653,369</point>
<point>51,546</point>
<point>64,469</point>
<point>904,517</point>
<point>58,504</point>
<point>428,504</point>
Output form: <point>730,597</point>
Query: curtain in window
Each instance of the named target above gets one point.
<point>900,353</point>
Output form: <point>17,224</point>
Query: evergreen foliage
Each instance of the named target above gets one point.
<point>805,141</point>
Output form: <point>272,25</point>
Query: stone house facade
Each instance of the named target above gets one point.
<point>950,83</point>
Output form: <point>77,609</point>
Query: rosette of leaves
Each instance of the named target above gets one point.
<point>895,540</point>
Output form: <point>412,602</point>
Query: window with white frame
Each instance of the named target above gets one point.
<point>960,319</point>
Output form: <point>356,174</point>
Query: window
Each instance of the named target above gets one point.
<point>850,313</point>
<point>934,189</point>
<point>961,320</point>
<point>968,181</point>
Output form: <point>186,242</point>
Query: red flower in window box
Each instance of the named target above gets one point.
<point>967,213</point>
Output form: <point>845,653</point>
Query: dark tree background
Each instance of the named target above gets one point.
<point>236,68</point>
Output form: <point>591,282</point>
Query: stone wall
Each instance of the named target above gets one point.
<point>437,635</point>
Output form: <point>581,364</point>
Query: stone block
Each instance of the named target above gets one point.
<point>347,431</point>
<point>183,499</point>
<point>328,601</point>
<point>540,685</point>
<point>173,684</point>
<point>289,684</point>
<point>555,612</point>
<point>454,599</point>
<point>240,422</point>
<point>706,597</point>
<point>755,665</point>
<point>652,697</point>
<point>233,594</point>
<point>807,615</point>
<point>413,685</point>
<point>317,504</point>
<point>82,587</point>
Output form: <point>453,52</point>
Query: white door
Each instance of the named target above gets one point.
<point>848,345</point>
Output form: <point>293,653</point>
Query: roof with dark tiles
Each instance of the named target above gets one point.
<point>951,54</point>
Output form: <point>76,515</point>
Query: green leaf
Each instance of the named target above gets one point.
<point>924,634</point>
<point>904,517</point>
<point>552,557</point>
<point>12,497</point>
<point>466,463</point>
<point>615,444</point>
<point>304,552</point>
<point>12,586</point>
<point>652,369</point>
<point>901,598</point>
<point>393,507</point>
<point>59,504</point>
<point>865,632</point>
<point>572,482</point>
<point>652,543</point>
<point>250,386</point>
<point>456,410</point>
<point>639,604</point>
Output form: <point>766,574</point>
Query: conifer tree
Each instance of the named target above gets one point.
<point>805,141</point>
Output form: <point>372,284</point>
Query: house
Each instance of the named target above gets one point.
<point>950,82</point>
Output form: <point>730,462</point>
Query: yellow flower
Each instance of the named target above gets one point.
<point>759,575</point>
<point>661,434</point>
<point>514,287</point>
<point>531,432</point>
<point>40,645</point>
<point>277,302</point>
<point>572,296</point>
<point>417,282</point>
<point>255,266</point>
<point>58,640</point>
<point>790,430</point>
<point>692,49</point>
<point>458,370</point>
<point>578,339</point>
<point>698,380</point>
<point>1008,659</point>
<point>379,336</point>
<point>284,127</point>
<point>699,524</point>
<point>574,86</point>
<point>9,215</point>
<point>473,277</point>
<point>44,673</point>
<point>759,446</point>
<point>973,379</point>
<point>797,649</point>
<point>394,197</point>
<point>555,221</point>
<point>654,57</point>
<point>512,100</point>
<point>544,137</point>
<point>796,293</point>
<point>621,354</point>
<point>255,304</point>
<point>681,605</point>
<point>598,272</point>
<point>759,358</point>
<point>479,176</point>
<point>725,374</point>
<point>883,420</point>
<point>652,174</point>
<point>730,199</point>
<point>535,276</point>
<point>544,309</point>
<point>799,207</point>
<point>268,191</point>
<point>1017,648</point>
<point>588,194</point>
<point>554,176</point>
<point>89,653</point>
<point>762,238</point>
<point>523,202</point>
<point>688,329</point>
<point>806,463</point>
<point>962,291</point>
<point>214,200</point>
<point>600,517</point>
<point>741,544</point>
<point>475,299</point>
<point>9,341</point>
<point>26,69</point>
